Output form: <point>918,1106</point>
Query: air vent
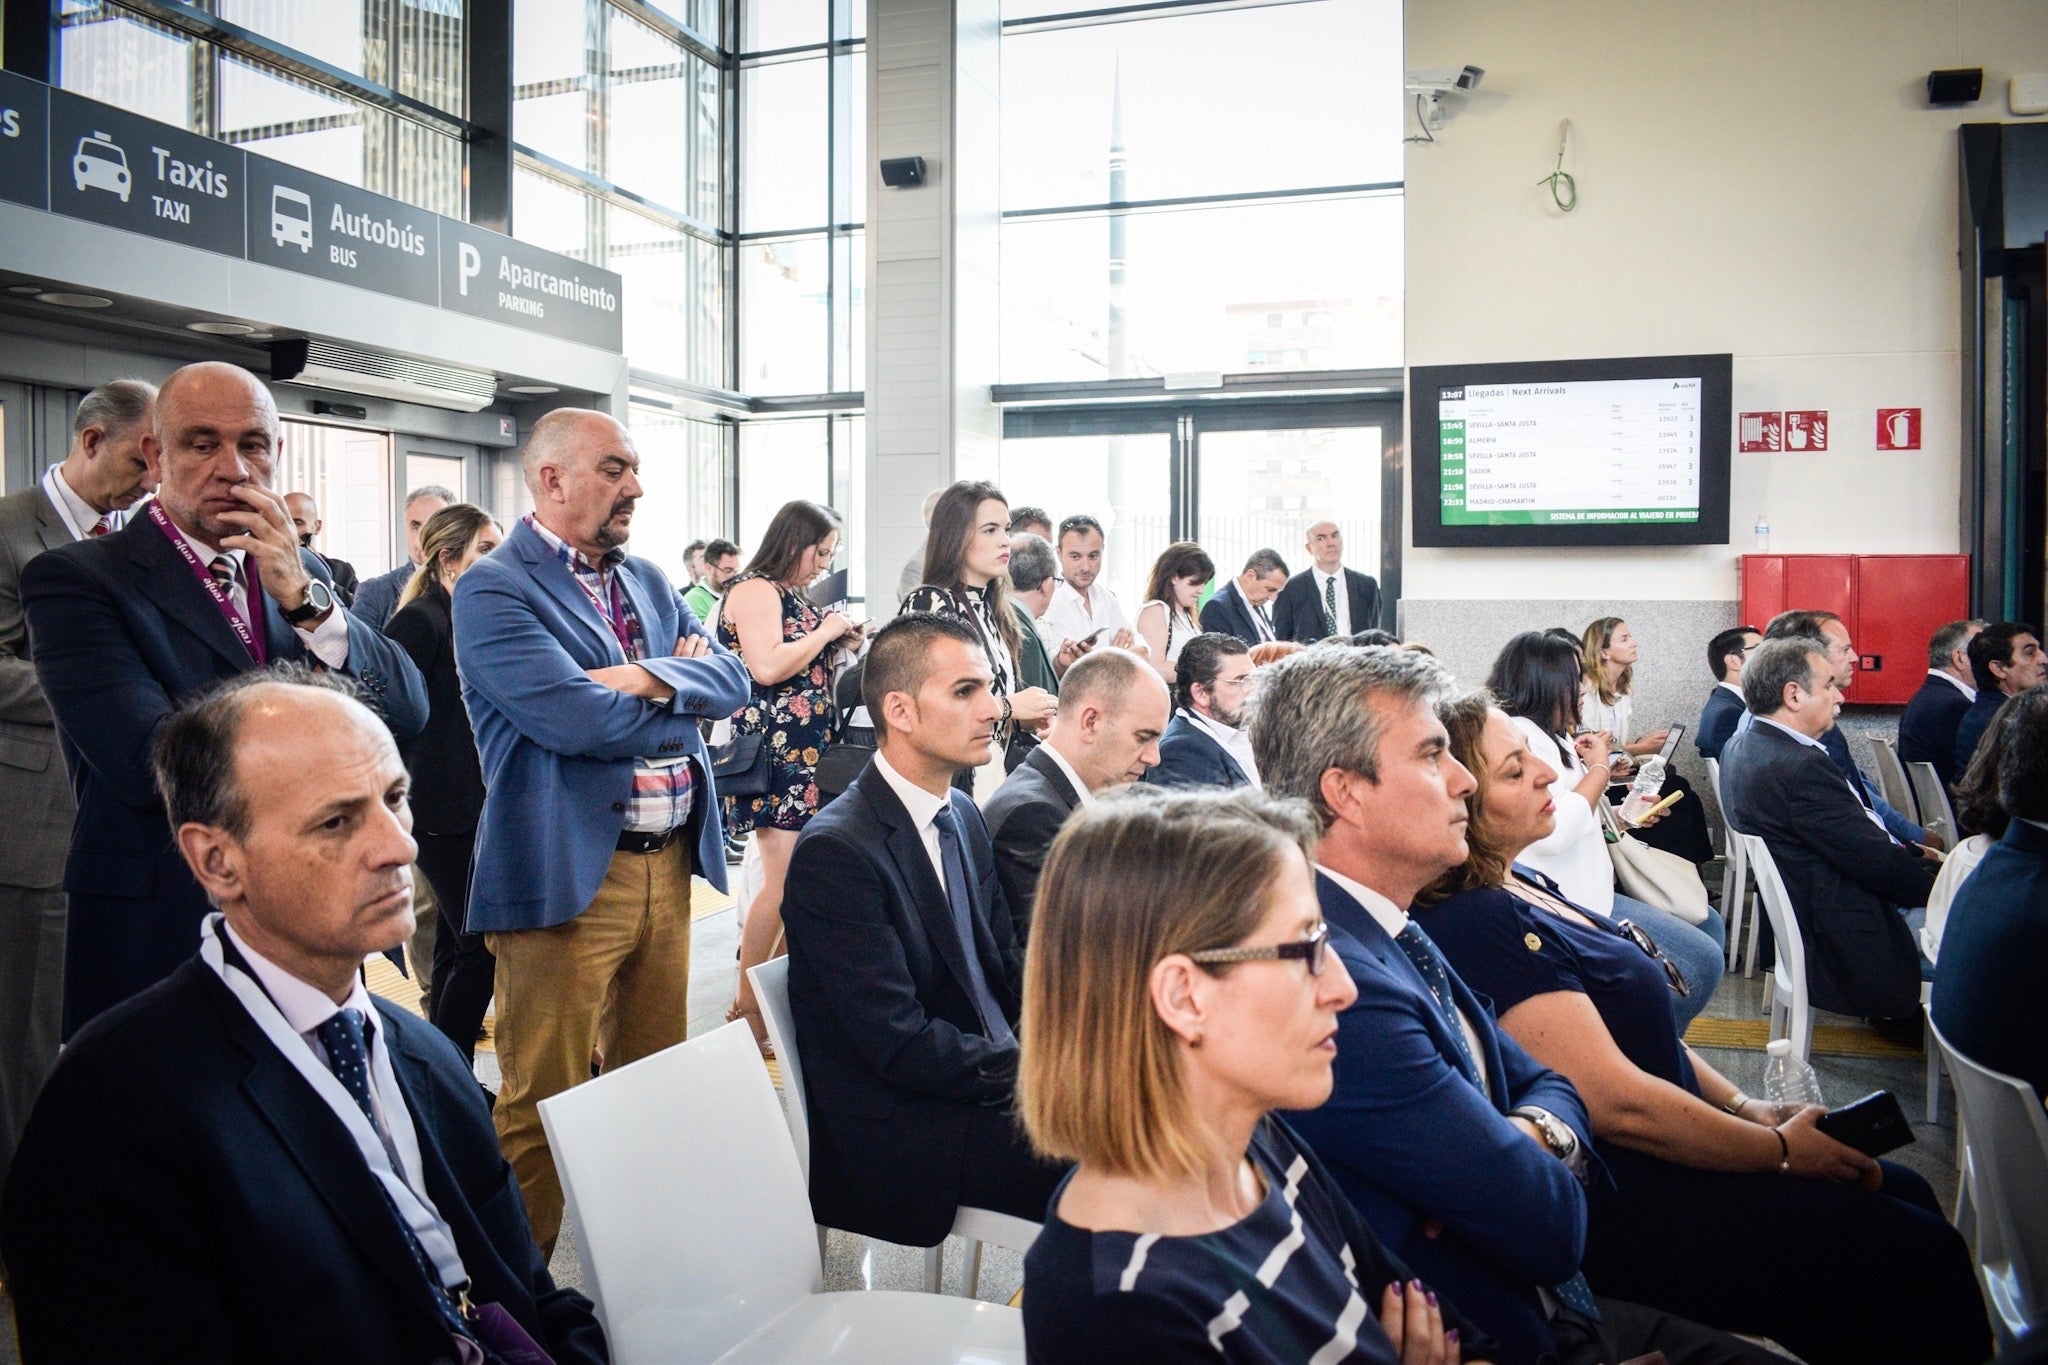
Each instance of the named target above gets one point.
<point>351,369</point>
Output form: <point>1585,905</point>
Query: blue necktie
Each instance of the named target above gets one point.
<point>348,1056</point>
<point>960,896</point>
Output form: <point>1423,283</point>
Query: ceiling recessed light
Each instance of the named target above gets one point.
<point>76,300</point>
<point>24,289</point>
<point>262,336</point>
<point>220,329</point>
<point>535,389</point>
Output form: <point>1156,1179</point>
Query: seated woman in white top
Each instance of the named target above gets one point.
<point>1981,816</point>
<point>1536,681</point>
<point>1608,656</point>
<point>1167,620</point>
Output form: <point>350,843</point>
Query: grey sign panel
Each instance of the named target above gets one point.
<point>133,173</point>
<point>24,141</point>
<point>311,225</point>
<point>509,282</point>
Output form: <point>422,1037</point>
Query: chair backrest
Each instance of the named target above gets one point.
<point>771,993</point>
<point>1791,968</point>
<point>1935,811</point>
<point>1891,780</point>
<point>2007,1137</point>
<point>685,1199</point>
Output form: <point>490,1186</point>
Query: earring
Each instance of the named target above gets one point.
<point>1195,1041</point>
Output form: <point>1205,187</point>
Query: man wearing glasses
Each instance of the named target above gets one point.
<point>1206,745</point>
<point>1726,654</point>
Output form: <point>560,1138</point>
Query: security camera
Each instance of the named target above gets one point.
<point>1445,80</point>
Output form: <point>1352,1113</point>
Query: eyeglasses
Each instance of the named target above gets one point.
<point>1642,940</point>
<point>1310,950</point>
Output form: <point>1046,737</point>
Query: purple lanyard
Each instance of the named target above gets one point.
<point>251,641</point>
<point>614,615</point>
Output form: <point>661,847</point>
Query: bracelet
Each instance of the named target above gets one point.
<point>1735,1103</point>
<point>1784,1153</point>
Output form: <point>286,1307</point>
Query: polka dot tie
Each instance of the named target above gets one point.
<point>1330,605</point>
<point>1422,952</point>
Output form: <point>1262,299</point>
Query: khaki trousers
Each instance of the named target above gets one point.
<point>615,978</point>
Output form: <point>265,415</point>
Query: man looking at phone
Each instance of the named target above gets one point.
<point>1084,611</point>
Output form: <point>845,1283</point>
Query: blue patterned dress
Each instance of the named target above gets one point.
<point>798,716</point>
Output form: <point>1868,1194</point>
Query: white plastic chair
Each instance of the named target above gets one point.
<point>1735,887</point>
<point>1931,949</point>
<point>695,1230</point>
<point>747,885</point>
<point>976,1226</point>
<point>1791,1014</point>
<point>2007,1175</point>
<point>1935,811</point>
<point>1892,783</point>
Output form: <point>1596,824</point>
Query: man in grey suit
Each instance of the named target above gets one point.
<point>88,494</point>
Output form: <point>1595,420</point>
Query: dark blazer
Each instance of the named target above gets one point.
<point>1463,1197</point>
<point>122,632</point>
<point>33,788</point>
<point>177,1154</point>
<point>1298,610</point>
<point>1718,719</point>
<point>1972,725</point>
<point>893,1054</point>
<point>1034,665</point>
<point>1927,729</point>
<point>1024,816</point>
<point>1988,998</point>
<point>377,598</point>
<point>1845,876</point>
<point>1190,758</point>
<point>1227,613</point>
<point>447,778</point>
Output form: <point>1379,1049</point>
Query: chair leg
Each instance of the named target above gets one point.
<point>1756,931</point>
<point>934,1268</point>
<point>821,1246</point>
<point>1777,1014</point>
<point>973,1285</point>
<point>1933,1082</point>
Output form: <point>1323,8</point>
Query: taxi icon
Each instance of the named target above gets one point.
<point>100,164</point>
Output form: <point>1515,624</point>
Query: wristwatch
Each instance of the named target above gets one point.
<point>1557,1134</point>
<point>319,601</point>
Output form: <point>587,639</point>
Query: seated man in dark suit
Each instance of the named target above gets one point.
<point>1718,718</point>
<point>2006,660</point>
<point>1112,711</point>
<point>1206,745</point>
<point>1326,598</point>
<point>1243,606</point>
<point>1988,997</point>
<point>1848,879</point>
<point>209,581</point>
<point>269,1162</point>
<point>1465,1155</point>
<point>904,969</point>
<point>1927,730</point>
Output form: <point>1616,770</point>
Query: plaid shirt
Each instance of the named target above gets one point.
<point>662,788</point>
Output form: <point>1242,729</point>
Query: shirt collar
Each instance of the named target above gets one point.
<point>1384,912</point>
<point>1209,725</point>
<point>570,555</point>
<point>206,552</point>
<point>1073,777</point>
<point>77,513</point>
<point>304,1006</point>
<point>921,804</point>
<point>1736,688</point>
<point>1780,725</point>
<point>1953,681</point>
<point>1322,577</point>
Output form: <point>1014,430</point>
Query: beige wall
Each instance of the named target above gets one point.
<point>1762,179</point>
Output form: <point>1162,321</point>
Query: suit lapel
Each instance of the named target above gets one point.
<point>50,527</point>
<point>906,849</point>
<point>1048,768</point>
<point>554,576</point>
<point>166,581</point>
<point>643,607</point>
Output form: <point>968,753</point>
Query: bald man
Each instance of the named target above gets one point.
<point>585,675</point>
<point>1326,598</point>
<point>305,514</point>
<point>205,583</point>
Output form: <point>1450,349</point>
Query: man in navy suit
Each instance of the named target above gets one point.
<point>208,582</point>
<point>1465,1155</point>
<point>905,974</point>
<point>1927,730</point>
<point>1988,1000</point>
<point>1723,711</point>
<point>1242,607</point>
<point>377,598</point>
<point>585,676</point>
<point>1206,745</point>
<point>255,1159</point>
<point>1326,598</point>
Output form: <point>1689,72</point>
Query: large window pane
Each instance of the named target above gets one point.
<point>675,297</point>
<point>1312,285</point>
<point>850,143</point>
<point>128,63</point>
<point>1275,98</point>
<point>552,215</point>
<point>1263,489</point>
<point>769,24</point>
<point>849,313</point>
<point>1121,481</point>
<point>347,472</point>
<point>782,146</point>
<point>779,461</point>
<point>295,122</point>
<point>784,338</point>
<point>551,39</point>
<point>430,47</point>
<point>683,470</point>
<point>647,126</point>
<point>424,40</point>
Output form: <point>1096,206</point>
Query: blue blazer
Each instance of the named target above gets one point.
<point>1988,999</point>
<point>1927,730</point>
<point>1481,1213</point>
<point>1972,724</point>
<point>557,748</point>
<point>121,632</point>
<point>1718,719</point>
<point>1227,613</point>
<point>1190,758</point>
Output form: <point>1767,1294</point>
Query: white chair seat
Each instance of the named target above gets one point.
<point>883,1327</point>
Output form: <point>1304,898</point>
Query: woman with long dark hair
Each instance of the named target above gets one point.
<point>1167,619</point>
<point>785,641</point>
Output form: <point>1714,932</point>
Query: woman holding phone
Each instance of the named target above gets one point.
<point>1608,657</point>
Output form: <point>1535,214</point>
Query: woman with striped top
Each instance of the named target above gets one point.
<point>1176,991</point>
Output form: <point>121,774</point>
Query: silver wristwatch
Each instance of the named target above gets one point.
<point>1557,1134</point>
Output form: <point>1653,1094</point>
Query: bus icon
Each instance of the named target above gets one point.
<point>291,218</point>
<point>100,164</point>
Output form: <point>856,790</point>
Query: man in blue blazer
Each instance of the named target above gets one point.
<point>255,1159</point>
<point>1205,744</point>
<point>585,676</point>
<point>1988,1000</point>
<point>905,974</point>
<point>1723,711</point>
<point>1927,729</point>
<point>207,582</point>
<point>1242,606</point>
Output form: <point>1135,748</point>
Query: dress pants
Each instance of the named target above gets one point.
<point>463,967</point>
<point>615,978</point>
<point>31,1002</point>
<point>999,1171</point>
<point>419,949</point>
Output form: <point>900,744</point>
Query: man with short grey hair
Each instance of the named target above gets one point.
<point>378,598</point>
<point>1927,730</point>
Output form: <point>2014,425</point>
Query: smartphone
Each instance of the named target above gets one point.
<point>1872,1125</point>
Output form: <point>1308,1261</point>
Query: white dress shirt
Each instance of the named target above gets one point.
<point>1234,741</point>
<point>1394,919</point>
<point>923,808</point>
<point>1072,776</point>
<point>1074,617</point>
<point>1953,681</point>
<point>1322,582</point>
<point>78,514</point>
<point>328,640</point>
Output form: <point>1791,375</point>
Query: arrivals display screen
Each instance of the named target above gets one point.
<point>1581,452</point>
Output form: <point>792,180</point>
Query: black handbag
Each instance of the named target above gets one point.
<point>740,767</point>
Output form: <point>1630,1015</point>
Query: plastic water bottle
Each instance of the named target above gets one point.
<point>1788,1079</point>
<point>1642,792</point>
<point>1760,537</point>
